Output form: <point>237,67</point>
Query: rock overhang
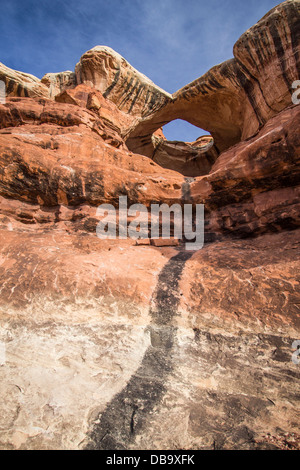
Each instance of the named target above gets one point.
<point>111,344</point>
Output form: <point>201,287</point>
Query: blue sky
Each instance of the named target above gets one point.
<point>173,42</point>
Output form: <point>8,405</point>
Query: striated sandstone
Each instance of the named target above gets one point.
<point>87,97</point>
<point>235,99</point>
<point>107,71</point>
<point>211,360</point>
<point>22,84</point>
<point>61,153</point>
<point>188,158</point>
<point>59,82</point>
<point>125,344</point>
<point>254,186</point>
<point>232,101</point>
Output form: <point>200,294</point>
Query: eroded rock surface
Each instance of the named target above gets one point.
<point>118,81</point>
<point>234,99</point>
<point>124,344</point>
<point>22,84</point>
<point>196,343</point>
<point>59,82</point>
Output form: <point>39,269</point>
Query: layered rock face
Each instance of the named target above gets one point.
<point>235,99</point>
<point>131,91</point>
<point>125,344</point>
<point>22,84</point>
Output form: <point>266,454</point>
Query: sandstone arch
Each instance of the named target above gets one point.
<point>233,100</point>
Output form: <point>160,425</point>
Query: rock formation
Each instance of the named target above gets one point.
<point>22,84</point>
<point>124,344</point>
<point>235,99</point>
<point>59,82</point>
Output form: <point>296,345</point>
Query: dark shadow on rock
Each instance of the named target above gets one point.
<point>127,412</point>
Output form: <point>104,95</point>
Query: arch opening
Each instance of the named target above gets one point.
<point>185,148</point>
<point>182,131</point>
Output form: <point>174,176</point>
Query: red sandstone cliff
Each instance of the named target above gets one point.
<point>109,344</point>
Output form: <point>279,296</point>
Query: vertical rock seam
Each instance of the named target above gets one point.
<point>126,414</point>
